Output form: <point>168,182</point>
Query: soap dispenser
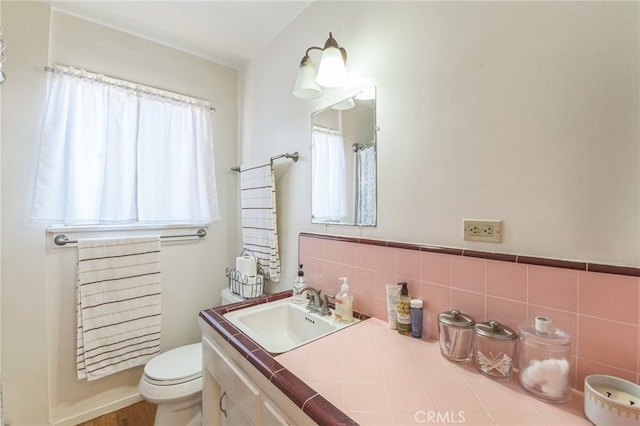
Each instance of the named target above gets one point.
<point>404,311</point>
<point>298,286</point>
<point>344,303</point>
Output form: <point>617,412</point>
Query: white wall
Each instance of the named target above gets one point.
<point>24,325</point>
<point>38,307</point>
<point>522,111</point>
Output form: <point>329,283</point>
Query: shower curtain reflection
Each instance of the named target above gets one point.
<point>365,184</point>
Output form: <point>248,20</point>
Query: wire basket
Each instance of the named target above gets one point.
<point>245,286</point>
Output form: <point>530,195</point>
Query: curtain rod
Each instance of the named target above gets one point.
<point>295,156</point>
<point>327,130</point>
<point>61,240</point>
<point>140,86</point>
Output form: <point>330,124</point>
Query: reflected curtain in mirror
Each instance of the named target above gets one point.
<point>329,195</point>
<point>366,183</point>
<point>351,179</point>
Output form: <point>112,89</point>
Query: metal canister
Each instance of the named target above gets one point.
<point>455,331</point>
<point>494,349</point>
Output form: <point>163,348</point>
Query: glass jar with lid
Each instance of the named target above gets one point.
<point>544,360</point>
<point>494,349</point>
<point>455,331</point>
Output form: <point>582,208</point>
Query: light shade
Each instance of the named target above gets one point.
<point>306,86</point>
<point>332,71</point>
<point>344,105</point>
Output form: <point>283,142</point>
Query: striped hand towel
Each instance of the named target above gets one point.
<point>258,205</point>
<point>118,304</point>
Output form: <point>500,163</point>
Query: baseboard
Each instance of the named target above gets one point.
<point>99,411</point>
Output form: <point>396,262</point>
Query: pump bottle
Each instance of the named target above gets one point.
<point>404,311</point>
<point>344,303</point>
<point>298,286</point>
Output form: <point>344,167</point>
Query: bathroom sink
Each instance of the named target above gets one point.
<point>281,325</point>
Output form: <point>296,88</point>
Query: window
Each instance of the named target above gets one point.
<point>113,152</point>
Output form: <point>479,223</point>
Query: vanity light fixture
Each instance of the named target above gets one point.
<point>331,73</point>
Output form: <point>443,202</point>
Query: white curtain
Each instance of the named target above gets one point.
<point>329,193</point>
<point>366,186</point>
<point>113,153</point>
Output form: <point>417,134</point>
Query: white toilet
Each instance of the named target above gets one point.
<point>173,381</point>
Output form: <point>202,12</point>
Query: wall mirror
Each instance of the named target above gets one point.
<point>343,155</point>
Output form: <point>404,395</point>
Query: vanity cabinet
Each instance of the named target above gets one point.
<point>273,415</point>
<point>235,393</point>
<point>238,396</point>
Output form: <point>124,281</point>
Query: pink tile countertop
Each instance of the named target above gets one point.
<point>379,377</point>
<point>368,374</point>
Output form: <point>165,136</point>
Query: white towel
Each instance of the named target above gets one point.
<point>118,306</point>
<point>259,225</point>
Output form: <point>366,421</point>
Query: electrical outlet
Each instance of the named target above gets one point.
<point>489,231</point>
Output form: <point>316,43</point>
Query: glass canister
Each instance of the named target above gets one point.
<point>494,349</point>
<point>455,331</point>
<point>544,360</point>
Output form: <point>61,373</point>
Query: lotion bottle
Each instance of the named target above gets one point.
<point>344,303</point>
<point>404,311</point>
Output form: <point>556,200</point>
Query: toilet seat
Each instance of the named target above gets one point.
<point>179,365</point>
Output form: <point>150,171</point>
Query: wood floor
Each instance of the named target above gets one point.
<point>139,414</point>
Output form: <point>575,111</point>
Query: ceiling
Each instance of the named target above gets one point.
<point>228,32</point>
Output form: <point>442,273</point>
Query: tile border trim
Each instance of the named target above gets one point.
<point>503,257</point>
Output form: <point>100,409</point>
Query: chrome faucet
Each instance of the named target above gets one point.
<point>315,304</point>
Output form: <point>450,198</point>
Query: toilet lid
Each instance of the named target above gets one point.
<point>175,366</point>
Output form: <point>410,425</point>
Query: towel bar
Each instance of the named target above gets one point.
<point>61,240</point>
<point>295,156</point>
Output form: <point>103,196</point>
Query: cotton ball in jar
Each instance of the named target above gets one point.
<point>551,390</point>
<point>532,375</point>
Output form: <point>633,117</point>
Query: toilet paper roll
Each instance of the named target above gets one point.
<point>246,265</point>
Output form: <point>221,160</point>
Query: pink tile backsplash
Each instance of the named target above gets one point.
<point>384,260</point>
<point>436,268</point>
<point>508,312</point>
<point>601,311</point>
<point>468,273</point>
<point>552,287</point>
<point>332,251</point>
<point>608,342</point>
<point>437,298</point>
<point>507,280</point>
<point>470,303</point>
<point>347,253</point>
<point>408,264</point>
<point>365,256</point>
<point>608,296</point>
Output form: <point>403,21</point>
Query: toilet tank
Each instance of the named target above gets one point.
<point>227,297</point>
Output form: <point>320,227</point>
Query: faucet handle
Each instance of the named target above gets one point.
<point>325,306</point>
